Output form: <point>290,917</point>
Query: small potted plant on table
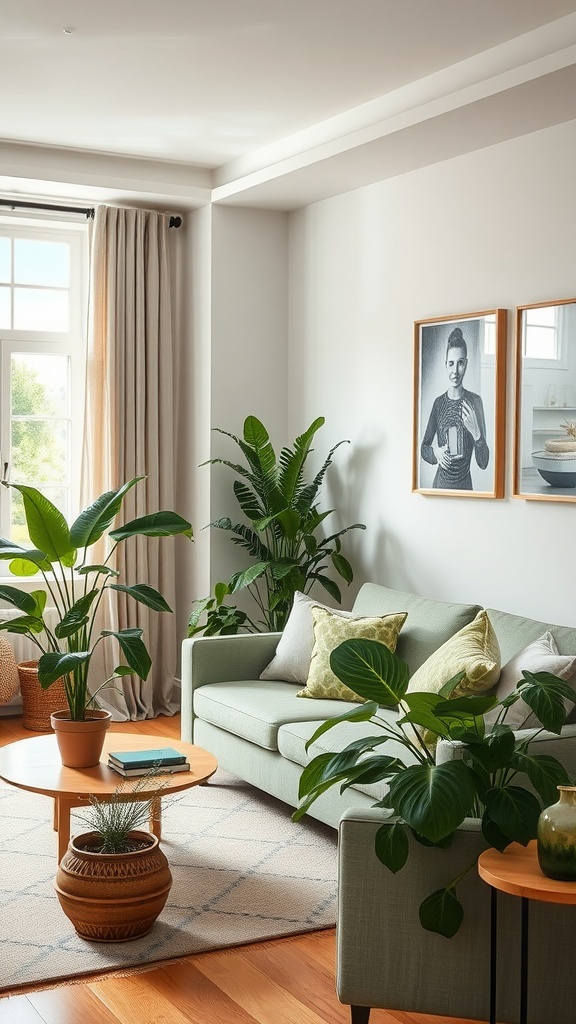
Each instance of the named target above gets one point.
<point>76,589</point>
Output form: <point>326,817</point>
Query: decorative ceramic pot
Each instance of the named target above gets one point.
<point>113,897</point>
<point>80,743</point>
<point>38,704</point>
<point>557,837</point>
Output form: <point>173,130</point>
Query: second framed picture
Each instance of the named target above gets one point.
<point>460,405</point>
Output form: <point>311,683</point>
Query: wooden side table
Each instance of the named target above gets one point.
<point>517,872</point>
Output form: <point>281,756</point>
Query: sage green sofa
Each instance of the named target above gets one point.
<point>258,730</point>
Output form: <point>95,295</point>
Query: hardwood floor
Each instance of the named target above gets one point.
<point>285,981</point>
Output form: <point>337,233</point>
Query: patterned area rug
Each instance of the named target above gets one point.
<point>243,872</point>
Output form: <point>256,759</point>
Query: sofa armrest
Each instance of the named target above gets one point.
<point>562,747</point>
<point>219,659</point>
<point>384,956</point>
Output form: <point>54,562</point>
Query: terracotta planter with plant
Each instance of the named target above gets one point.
<point>76,588</point>
<point>114,880</point>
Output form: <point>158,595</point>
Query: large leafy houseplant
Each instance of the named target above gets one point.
<point>428,799</point>
<point>76,588</point>
<point>282,534</point>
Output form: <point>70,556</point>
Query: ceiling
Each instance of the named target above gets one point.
<point>233,87</point>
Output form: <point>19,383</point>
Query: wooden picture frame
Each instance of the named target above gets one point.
<point>545,398</point>
<point>460,405</point>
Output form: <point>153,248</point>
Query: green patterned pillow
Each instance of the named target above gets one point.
<point>330,630</point>
<point>474,649</point>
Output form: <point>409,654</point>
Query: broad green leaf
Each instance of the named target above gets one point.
<point>343,567</point>
<point>373,769</point>
<point>24,624</point>
<point>240,580</point>
<point>363,713</point>
<point>76,616</point>
<point>329,586</point>
<point>40,598</point>
<point>158,524</point>
<point>392,846</point>
<point>221,590</point>
<point>433,798</point>
<point>55,664</point>
<point>290,522</point>
<point>500,746</point>
<point>47,527</point>
<point>494,835</point>
<point>122,670</point>
<point>100,570</point>
<point>545,774</point>
<point>421,712</point>
<point>447,688</point>
<point>18,599</point>
<point>94,520</point>
<point>30,565</point>
<point>443,844</point>
<point>145,595</point>
<point>515,811</point>
<point>544,693</point>
<point>133,649</point>
<point>442,912</point>
<point>371,671</point>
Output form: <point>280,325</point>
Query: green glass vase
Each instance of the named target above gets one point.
<point>556,841</point>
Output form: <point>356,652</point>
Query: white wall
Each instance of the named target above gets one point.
<point>495,228</point>
<point>234,364</point>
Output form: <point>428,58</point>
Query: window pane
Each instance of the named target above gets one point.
<point>544,316</point>
<point>540,343</point>
<point>40,310</point>
<point>5,308</point>
<point>39,451</point>
<point>5,260</point>
<point>39,384</point>
<point>44,263</point>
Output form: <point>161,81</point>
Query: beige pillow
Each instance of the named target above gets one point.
<point>291,661</point>
<point>331,630</point>
<point>539,656</point>
<point>474,649</point>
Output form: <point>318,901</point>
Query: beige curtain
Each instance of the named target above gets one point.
<point>129,431</point>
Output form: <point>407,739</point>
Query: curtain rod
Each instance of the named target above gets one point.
<point>174,222</point>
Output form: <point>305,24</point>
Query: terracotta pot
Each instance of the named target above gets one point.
<point>38,704</point>
<point>80,743</point>
<point>113,897</point>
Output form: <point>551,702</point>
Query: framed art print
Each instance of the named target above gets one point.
<point>545,425</point>
<point>460,405</point>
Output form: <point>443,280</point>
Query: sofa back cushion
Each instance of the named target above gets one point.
<point>429,624</point>
<point>515,632</point>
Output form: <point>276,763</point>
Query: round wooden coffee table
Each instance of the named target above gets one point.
<point>34,764</point>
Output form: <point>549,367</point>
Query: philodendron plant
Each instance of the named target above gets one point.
<point>431,800</point>
<point>76,587</point>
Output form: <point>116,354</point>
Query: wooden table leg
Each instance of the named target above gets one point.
<point>55,816</point>
<point>62,816</point>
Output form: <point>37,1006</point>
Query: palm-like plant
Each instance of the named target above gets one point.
<point>281,533</point>
<point>76,589</point>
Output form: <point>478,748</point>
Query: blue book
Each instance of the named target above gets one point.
<point>146,758</point>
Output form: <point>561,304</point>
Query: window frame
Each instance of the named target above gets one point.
<point>71,343</point>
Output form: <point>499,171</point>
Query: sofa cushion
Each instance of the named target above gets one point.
<point>539,656</point>
<point>329,632</point>
<point>255,709</point>
<point>473,650</point>
<point>291,661</point>
<point>292,739</point>
<point>429,624</point>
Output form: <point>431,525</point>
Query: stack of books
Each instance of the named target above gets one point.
<point>138,762</point>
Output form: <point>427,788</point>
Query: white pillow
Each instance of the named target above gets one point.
<point>292,659</point>
<point>539,656</point>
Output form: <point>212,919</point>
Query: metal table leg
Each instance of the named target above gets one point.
<point>493,951</point>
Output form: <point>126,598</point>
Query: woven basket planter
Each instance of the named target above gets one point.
<point>39,704</point>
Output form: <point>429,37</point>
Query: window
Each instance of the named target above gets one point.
<point>42,364</point>
<point>541,333</point>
